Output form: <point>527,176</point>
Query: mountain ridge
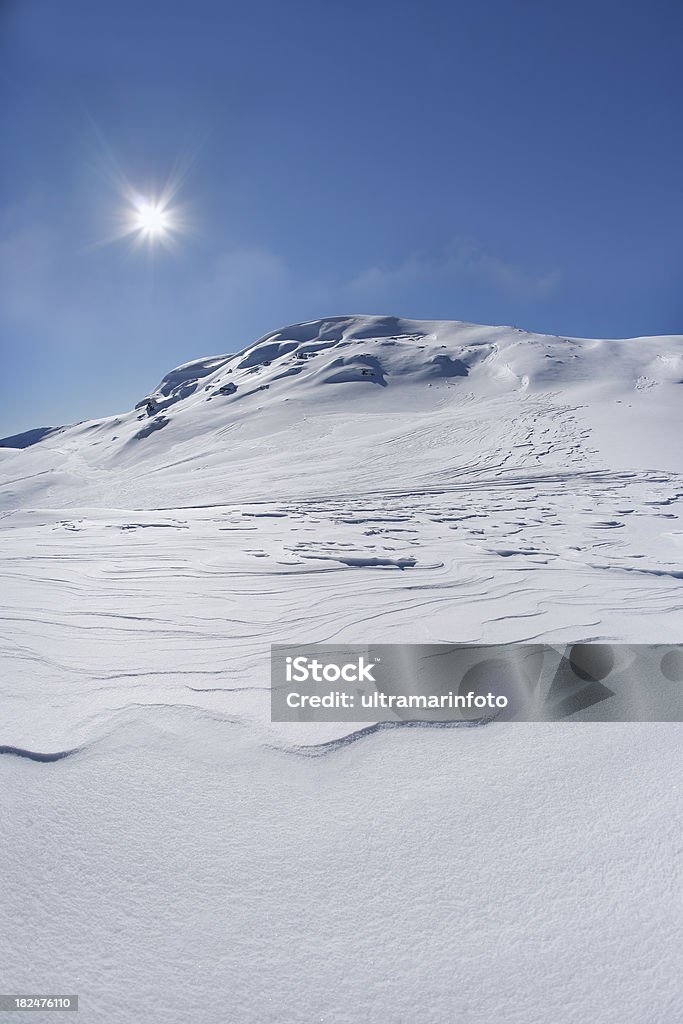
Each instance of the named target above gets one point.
<point>339,339</point>
<point>385,400</point>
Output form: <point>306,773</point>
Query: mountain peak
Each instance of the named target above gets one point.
<point>334,350</point>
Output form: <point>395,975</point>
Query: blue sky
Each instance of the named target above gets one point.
<point>500,161</point>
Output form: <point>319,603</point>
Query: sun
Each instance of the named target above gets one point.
<point>151,219</point>
<point>148,218</point>
<point>150,214</point>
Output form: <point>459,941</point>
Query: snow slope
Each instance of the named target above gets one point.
<point>352,479</point>
<point>368,479</point>
<point>366,403</point>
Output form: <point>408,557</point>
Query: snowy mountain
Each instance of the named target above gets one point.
<point>352,403</point>
<point>359,479</point>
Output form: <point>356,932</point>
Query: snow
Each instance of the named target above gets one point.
<point>358,479</point>
<point>178,871</point>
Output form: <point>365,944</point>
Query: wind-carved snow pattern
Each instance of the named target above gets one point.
<point>356,478</point>
<point>360,479</point>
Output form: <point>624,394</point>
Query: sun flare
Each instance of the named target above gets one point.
<point>148,216</point>
<point>151,220</point>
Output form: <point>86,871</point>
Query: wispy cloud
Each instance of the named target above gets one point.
<point>507,276</point>
<point>462,263</point>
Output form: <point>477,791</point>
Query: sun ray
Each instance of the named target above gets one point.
<point>149,217</point>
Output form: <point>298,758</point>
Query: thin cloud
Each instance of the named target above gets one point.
<point>464,263</point>
<point>507,277</point>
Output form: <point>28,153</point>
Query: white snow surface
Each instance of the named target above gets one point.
<point>358,479</point>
